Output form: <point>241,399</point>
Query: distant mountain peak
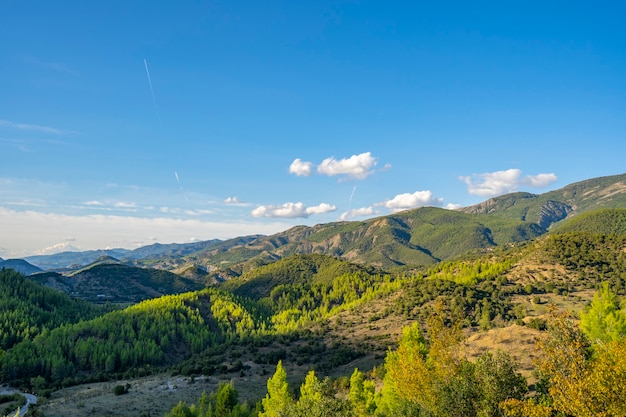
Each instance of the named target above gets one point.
<point>19,265</point>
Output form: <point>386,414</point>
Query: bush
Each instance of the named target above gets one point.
<point>537,323</point>
<point>120,390</point>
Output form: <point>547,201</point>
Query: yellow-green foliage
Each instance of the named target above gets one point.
<point>154,332</point>
<point>580,379</point>
<point>469,273</point>
<point>605,319</point>
<point>278,399</point>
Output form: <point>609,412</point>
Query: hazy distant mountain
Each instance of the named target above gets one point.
<point>158,250</point>
<point>20,266</point>
<point>73,260</point>
<point>66,260</point>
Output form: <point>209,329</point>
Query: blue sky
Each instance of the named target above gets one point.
<point>124,123</point>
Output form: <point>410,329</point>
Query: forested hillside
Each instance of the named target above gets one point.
<point>26,309</point>
<point>110,281</point>
<point>156,332</point>
<point>604,221</point>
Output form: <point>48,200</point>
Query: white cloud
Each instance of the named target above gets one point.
<point>37,128</point>
<point>300,167</point>
<point>292,210</point>
<point>453,206</point>
<point>287,210</point>
<point>57,248</point>
<point>94,203</point>
<point>407,201</point>
<point>360,212</point>
<point>232,200</point>
<point>357,166</point>
<point>539,180</point>
<point>124,205</point>
<point>502,182</point>
<point>321,209</point>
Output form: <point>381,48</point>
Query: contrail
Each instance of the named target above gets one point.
<point>180,185</point>
<point>145,63</point>
<point>352,195</point>
<point>178,180</point>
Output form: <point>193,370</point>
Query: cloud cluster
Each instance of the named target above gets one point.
<point>292,210</point>
<point>408,201</point>
<point>501,182</point>
<point>301,168</point>
<point>360,212</point>
<point>231,200</point>
<point>404,201</point>
<point>355,167</point>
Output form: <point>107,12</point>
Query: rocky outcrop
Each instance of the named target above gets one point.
<point>552,212</point>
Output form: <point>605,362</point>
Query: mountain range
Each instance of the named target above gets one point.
<point>421,236</point>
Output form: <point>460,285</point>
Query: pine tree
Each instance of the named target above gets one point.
<point>603,320</point>
<point>278,400</point>
<point>226,399</point>
<point>362,394</point>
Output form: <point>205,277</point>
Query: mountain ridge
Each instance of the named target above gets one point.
<point>19,265</point>
<point>420,236</point>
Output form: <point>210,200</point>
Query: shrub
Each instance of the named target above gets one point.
<point>120,390</point>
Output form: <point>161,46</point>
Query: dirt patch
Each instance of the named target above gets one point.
<point>150,396</point>
<point>517,341</point>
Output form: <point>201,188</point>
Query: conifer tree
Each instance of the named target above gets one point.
<point>362,394</point>
<point>278,400</point>
<point>226,399</point>
<point>603,320</point>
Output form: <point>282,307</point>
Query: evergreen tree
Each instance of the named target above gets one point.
<point>278,400</point>
<point>603,320</point>
<point>226,399</point>
<point>362,394</point>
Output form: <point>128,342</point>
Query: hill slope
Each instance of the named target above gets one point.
<point>554,206</point>
<point>603,221</point>
<point>422,236</point>
<point>26,308</point>
<point>293,270</point>
<point>115,282</point>
<point>20,266</point>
